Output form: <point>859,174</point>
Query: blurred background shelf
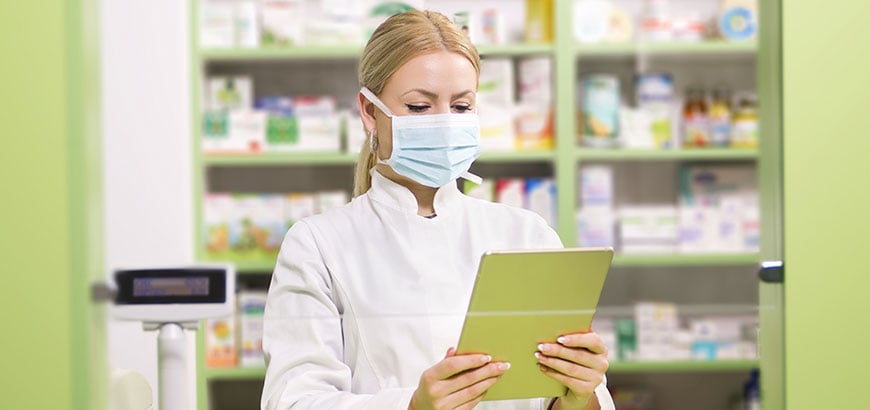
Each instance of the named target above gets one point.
<point>306,158</point>
<point>339,158</point>
<point>281,53</point>
<point>615,367</point>
<point>252,373</point>
<point>347,52</point>
<point>687,260</point>
<point>683,366</point>
<point>700,154</point>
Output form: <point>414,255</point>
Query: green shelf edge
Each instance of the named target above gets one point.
<point>677,48</point>
<point>347,52</point>
<point>683,366</point>
<point>700,154</point>
<point>687,260</point>
<point>300,158</point>
<point>234,373</point>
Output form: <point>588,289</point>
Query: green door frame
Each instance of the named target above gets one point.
<point>771,302</point>
<point>89,356</point>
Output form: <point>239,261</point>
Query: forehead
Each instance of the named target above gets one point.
<point>439,71</point>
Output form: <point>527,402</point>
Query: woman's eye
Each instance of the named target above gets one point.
<point>416,108</point>
<point>462,108</point>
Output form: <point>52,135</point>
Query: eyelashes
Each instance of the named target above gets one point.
<point>459,108</point>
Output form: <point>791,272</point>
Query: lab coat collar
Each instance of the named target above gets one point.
<point>389,193</point>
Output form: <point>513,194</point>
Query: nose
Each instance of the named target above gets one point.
<point>441,108</point>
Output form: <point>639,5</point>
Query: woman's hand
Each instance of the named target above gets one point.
<point>456,382</point>
<point>578,361</point>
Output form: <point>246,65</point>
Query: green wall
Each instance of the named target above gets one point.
<point>50,213</point>
<point>35,207</point>
<point>826,108</point>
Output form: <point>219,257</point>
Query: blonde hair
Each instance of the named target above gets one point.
<point>397,40</point>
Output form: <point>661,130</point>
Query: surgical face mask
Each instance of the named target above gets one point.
<point>432,149</point>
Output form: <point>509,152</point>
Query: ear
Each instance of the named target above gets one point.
<point>366,113</point>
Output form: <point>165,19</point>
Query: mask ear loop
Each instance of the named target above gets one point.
<point>376,101</point>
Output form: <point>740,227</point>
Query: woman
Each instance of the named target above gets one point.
<point>366,299</point>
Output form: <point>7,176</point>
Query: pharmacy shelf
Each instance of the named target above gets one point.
<point>670,48</point>
<point>683,366</point>
<point>241,373</point>
<point>259,373</point>
<point>511,157</point>
<point>519,49</point>
<point>699,154</point>
<point>339,158</point>
<point>347,52</point>
<point>687,260</point>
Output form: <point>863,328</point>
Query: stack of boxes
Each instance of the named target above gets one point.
<point>716,213</point>
<point>535,194</point>
<point>251,224</point>
<point>521,123</point>
<point>237,341</point>
<point>235,123</point>
<point>658,331</point>
<point>595,218</point>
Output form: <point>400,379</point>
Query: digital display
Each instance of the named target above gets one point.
<point>162,287</point>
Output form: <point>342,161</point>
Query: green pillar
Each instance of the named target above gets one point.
<point>53,349</point>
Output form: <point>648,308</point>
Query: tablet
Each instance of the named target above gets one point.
<point>522,298</point>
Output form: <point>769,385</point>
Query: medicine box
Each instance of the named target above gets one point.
<point>220,343</point>
<point>251,306</point>
<point>541,198</point>
<point>648,229</point>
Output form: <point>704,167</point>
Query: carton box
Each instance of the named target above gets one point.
<point>251,305</point>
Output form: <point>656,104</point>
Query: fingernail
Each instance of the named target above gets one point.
<point>486,359</point>
<point>504,365</point>
<point>562,339</point>
<point>541,347</point>
<point>537,356</point>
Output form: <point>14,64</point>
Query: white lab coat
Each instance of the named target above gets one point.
<point>366,297</point>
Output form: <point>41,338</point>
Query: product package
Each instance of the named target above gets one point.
<point>738,20</point>
<point>541,198</point>
<point>656,325</point>
<point>534,111</point>
<point>216,25</point>
<point>484,191</point>
<point>229,93</point>
<point>601,102</point>
<point>298,206</point>
<point>595,227</point>
<point>648,229</point>
<point>510,191</point>
<point>330,22</point>
<point>591,20</point>
<point>282,22</point>
<point>539,21</point>
<point>251,305</point>
<point>495,102</point>
<point>655,93</point>
<point>718,209</point>
<point>247,24</point>
<point>217,208</point>
<point>220,343</point>
<point>267,221</point>
<point>596,186</point>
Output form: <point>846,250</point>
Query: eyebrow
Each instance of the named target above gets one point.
<point>434,96</point>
